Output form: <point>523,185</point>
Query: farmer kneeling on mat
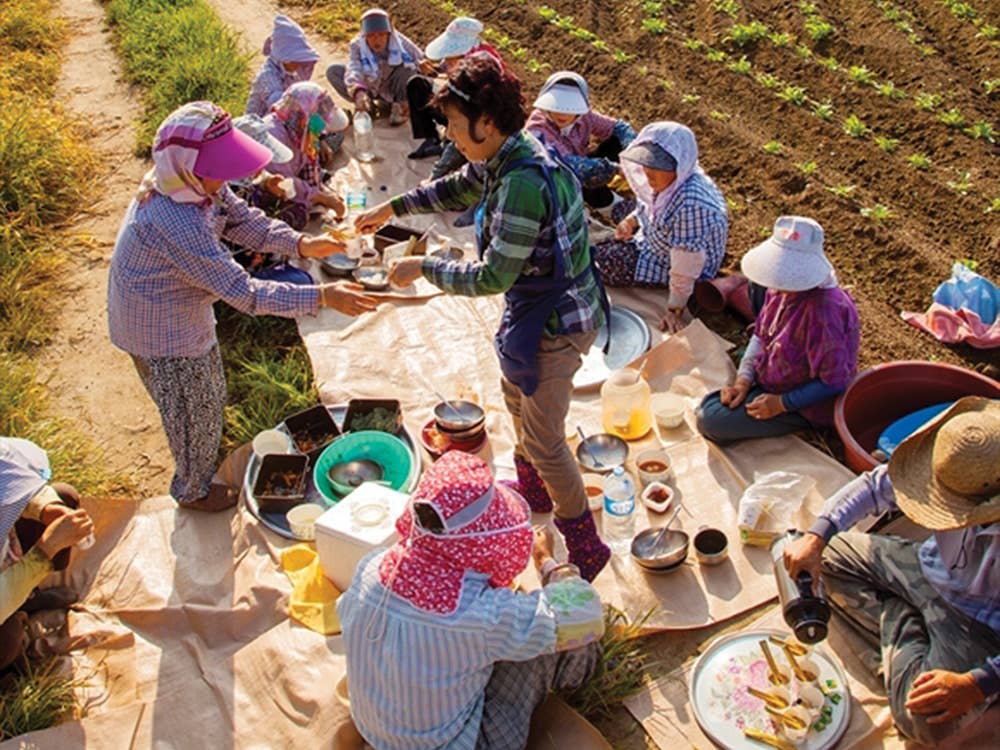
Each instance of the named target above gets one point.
<point>932,607</point>
<point>441,652</point>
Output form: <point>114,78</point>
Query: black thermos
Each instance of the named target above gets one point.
<point>806,611</point>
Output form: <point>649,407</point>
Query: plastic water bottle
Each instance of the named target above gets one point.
<point>364,137</point>
<point>619,510</point>
<point>357,199</point>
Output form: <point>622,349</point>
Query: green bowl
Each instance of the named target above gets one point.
<point>388,451</point>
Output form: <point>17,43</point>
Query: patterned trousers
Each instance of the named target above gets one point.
<point>877,584</point>
<point>617,259</point>
<point>190,393</point>
<point>517,688</point>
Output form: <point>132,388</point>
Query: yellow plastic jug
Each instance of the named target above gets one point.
<point>625,398</point>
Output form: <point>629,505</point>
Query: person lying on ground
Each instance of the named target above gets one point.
<point>587,140</point>
<point>533,245</point>
<point>290,59</point>
<point>675,232</point>
<point>381,60</point>
<point>460,39</point>
<point>441,652</point>
<point>804,350</point>
<point>39,523</point>
<point>930,607</point>
<point>169,267</point>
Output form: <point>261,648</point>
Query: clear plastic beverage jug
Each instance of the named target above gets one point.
<point>364,137</point>
<point>625,398</point>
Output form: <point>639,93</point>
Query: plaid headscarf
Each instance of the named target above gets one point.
<point>486,528</point>
<point>295,108</point>
<point>24,471</point>
<point>175,151</point>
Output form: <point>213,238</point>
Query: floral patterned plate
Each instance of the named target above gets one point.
<point>724,707</point>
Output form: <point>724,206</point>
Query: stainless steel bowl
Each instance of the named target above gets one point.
<point>373,278</point>
<point>458,416</point>
<point>347,476</point>
<point>339,264</point>
<point>668,554</point>
<point>601,452</point>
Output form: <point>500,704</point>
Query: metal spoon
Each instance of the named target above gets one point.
<point>650,547</point>
<point>595,462</point>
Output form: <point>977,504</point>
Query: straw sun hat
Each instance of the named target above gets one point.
<point>947,474</point>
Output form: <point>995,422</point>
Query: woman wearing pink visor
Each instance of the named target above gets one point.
<point>441,652</point>
<point>169,267</point>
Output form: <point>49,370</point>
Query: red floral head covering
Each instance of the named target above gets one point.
<point>458,520</point>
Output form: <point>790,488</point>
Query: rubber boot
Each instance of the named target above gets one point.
<point>530,486</point>
<point>586,550</point>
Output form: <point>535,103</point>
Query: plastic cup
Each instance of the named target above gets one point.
<point>653,465</point>
<point>271,441</point>
<point>302,520</point>
<point>593,485</point>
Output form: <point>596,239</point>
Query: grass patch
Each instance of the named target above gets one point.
<point>178,51</point>
<point>46,179</point>
<point>36,700</point>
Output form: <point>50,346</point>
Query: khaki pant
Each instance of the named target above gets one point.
<point>877,584</point>
<point>540,420</point>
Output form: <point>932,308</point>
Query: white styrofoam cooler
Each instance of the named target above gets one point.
<point>352,528</point>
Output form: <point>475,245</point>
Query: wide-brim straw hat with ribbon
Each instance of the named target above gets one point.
<point>946,475</point>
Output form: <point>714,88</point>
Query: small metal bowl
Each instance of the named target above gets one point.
<point>339,264</point>
<point>668,555</point>
<point>601,452</point>
<point>447,253</point>
<point>348,476</point>
<point>458,416</point>
<point>372,278</point>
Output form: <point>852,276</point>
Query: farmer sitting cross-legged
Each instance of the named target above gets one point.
<point>932,607</point>
<point>441,652</point>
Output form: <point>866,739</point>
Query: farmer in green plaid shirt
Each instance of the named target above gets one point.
<point>531,236</point>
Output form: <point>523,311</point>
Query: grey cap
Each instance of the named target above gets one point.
<point>650,155</point>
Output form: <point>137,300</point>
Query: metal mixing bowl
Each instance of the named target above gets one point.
<point>373,278</point>
<point>348,476</point>
<point>339,264</point>
<point>669,553</point>
<point>601,452</point>
<point>458,416</point>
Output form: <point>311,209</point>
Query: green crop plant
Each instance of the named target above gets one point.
<point>993,207</point>
<point>781,38</point>
<point>695,45</point>
<point>536,67</point>
<point>991,86</point>
<point>803,51</point>
<point>807,167</point>
<point>549,14</point>
<point>793,95</point>
<point>860,74</point>
<point>842,191</point>
<point>877,213</point>
<point>926,50</point>
<point>566,23</point>
<point>983,130</point>
<point>830,63</point>
<point>890,90</point>
<point>690,98</point>
<point>819,29</point>
<point>854,127</point>
<point>666,84</point>
<point>774,148</point>
<point>720,116</point>
<point>961,11</point>
<point>768,81</point>
<point>823,110</point>
<point>655,26</point>
<point>764,232</point>
<point>623,57</point>
<point>887,144</point>
<point>729,7</point>
<point>919,161</point>
<point>963,185</point>
<point>652,8</point>
<point>735,207</point>
<point>715,55</point>
<point>585,34</point>
<point>741,67</point>
<point>989,31</point>
<point>808,9</point>
<point>642,70</point>
<point>927,101</point>
<point>601,45</point>
<point>952,118</point>
<point>519,53</point>
<point>743,34</point>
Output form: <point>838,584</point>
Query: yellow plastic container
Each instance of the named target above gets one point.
<point>625,399</point>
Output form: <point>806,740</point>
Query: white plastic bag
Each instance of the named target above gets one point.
<point>768,507</point>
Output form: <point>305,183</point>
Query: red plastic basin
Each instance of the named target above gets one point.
<point>882,394</point>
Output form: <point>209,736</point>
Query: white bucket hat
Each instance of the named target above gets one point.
<point>255,127</point>
<point>791,259</point>
<point>461,35</point>
<point>566,93</point>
